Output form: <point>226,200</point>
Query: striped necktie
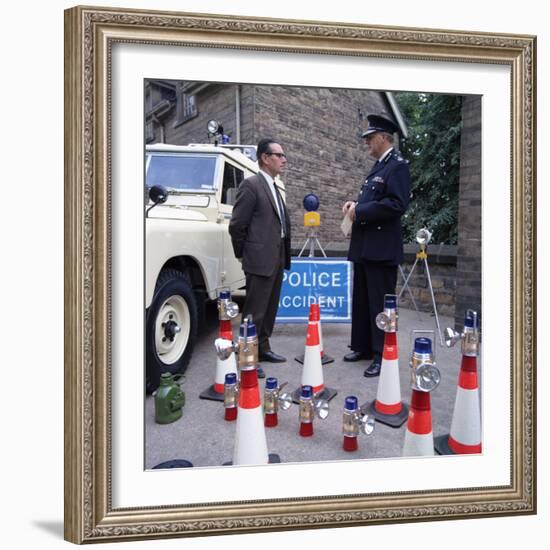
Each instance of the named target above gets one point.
<point>281,210</point>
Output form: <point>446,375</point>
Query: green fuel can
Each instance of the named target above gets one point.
<point>169,400</point>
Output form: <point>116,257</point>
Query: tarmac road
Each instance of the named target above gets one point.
<point>204,438</point>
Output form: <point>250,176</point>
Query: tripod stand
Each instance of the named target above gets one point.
<point>423,237</point>
<point>312,240</point>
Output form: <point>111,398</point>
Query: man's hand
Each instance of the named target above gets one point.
<point>349,209</point>
<point>347,206</point>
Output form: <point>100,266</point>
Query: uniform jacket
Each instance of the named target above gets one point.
<point>255,228</point>
<point>384,197</point>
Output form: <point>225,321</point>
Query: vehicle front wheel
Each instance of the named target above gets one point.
<point>171,327</point>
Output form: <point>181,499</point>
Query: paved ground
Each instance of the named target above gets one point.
<point>203,437</point>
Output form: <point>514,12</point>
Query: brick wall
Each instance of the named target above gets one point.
<point>468,268</point>
<point>320,131</point>
<point>441,261</point>
<point>319,128</point>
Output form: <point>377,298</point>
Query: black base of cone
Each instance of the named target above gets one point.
<point>211,395</point>
<point>325,359</point>
<point>170,464</point>
<point>441,445</point>
<point>327,394</point>
<point>272,458</point>
<point>392,420</point>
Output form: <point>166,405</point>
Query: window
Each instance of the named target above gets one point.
<point>186,107</point>
<point>182,172</point>
<point>232,178</point>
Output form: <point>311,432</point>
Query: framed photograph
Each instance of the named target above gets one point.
<point>109,493</point>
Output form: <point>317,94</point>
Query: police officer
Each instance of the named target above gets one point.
<point>376,247</point>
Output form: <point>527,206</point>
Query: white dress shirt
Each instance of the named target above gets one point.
<point>271,184</point>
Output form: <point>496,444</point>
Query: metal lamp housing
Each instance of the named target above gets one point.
<point>224,348</point>
<point>320,406</point>
<point>423,237</point>
<point>426,377</point>
<point>213,126</point>
<point>227,309</point>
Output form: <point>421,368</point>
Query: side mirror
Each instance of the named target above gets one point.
<point>158,195</point>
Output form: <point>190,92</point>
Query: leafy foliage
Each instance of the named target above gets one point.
<point>433,150</point>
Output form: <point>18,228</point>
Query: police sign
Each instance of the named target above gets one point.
<point>325,281</point>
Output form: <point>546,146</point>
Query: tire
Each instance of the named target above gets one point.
<point>171,327</point>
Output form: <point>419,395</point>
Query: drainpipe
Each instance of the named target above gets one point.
<point>238,113</point>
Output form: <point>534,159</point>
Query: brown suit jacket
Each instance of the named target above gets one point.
<point>255,228</point>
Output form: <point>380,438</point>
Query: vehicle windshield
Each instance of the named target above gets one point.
<point>181,172</point>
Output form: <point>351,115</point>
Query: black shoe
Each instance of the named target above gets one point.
<point>260,372</point>
<point>373,369</point>
<point>271,357</point>
<point>356,356</point>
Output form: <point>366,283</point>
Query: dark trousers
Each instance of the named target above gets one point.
<point>262,301</point>
<point>370,283</point>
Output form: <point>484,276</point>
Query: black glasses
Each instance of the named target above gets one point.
<point>280,155</point>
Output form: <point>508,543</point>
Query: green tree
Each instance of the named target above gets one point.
<point>434,122</point>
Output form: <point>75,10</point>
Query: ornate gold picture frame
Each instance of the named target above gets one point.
<point>90,35</point>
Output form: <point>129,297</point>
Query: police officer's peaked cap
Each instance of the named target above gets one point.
<point>378,123</point>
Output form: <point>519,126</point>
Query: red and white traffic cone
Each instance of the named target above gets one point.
<point>215,392</point>
<point>419,439</point>
<point>315,317</point>
<point>388,408</point>
<point>250,440</point>
<point>425,377</point>
<point>465,434</point>
<point>312,371</point>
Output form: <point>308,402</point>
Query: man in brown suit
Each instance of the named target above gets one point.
<point>260,233</point>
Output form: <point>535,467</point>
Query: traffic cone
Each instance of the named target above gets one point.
<point>227,311</point>
<point>388,408</point>
<point>419,439</point>
<point>250,439</point>
<point>465,435</point>
<point>315,317</point>
<point>312,371</point>
<point>215,392</point>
